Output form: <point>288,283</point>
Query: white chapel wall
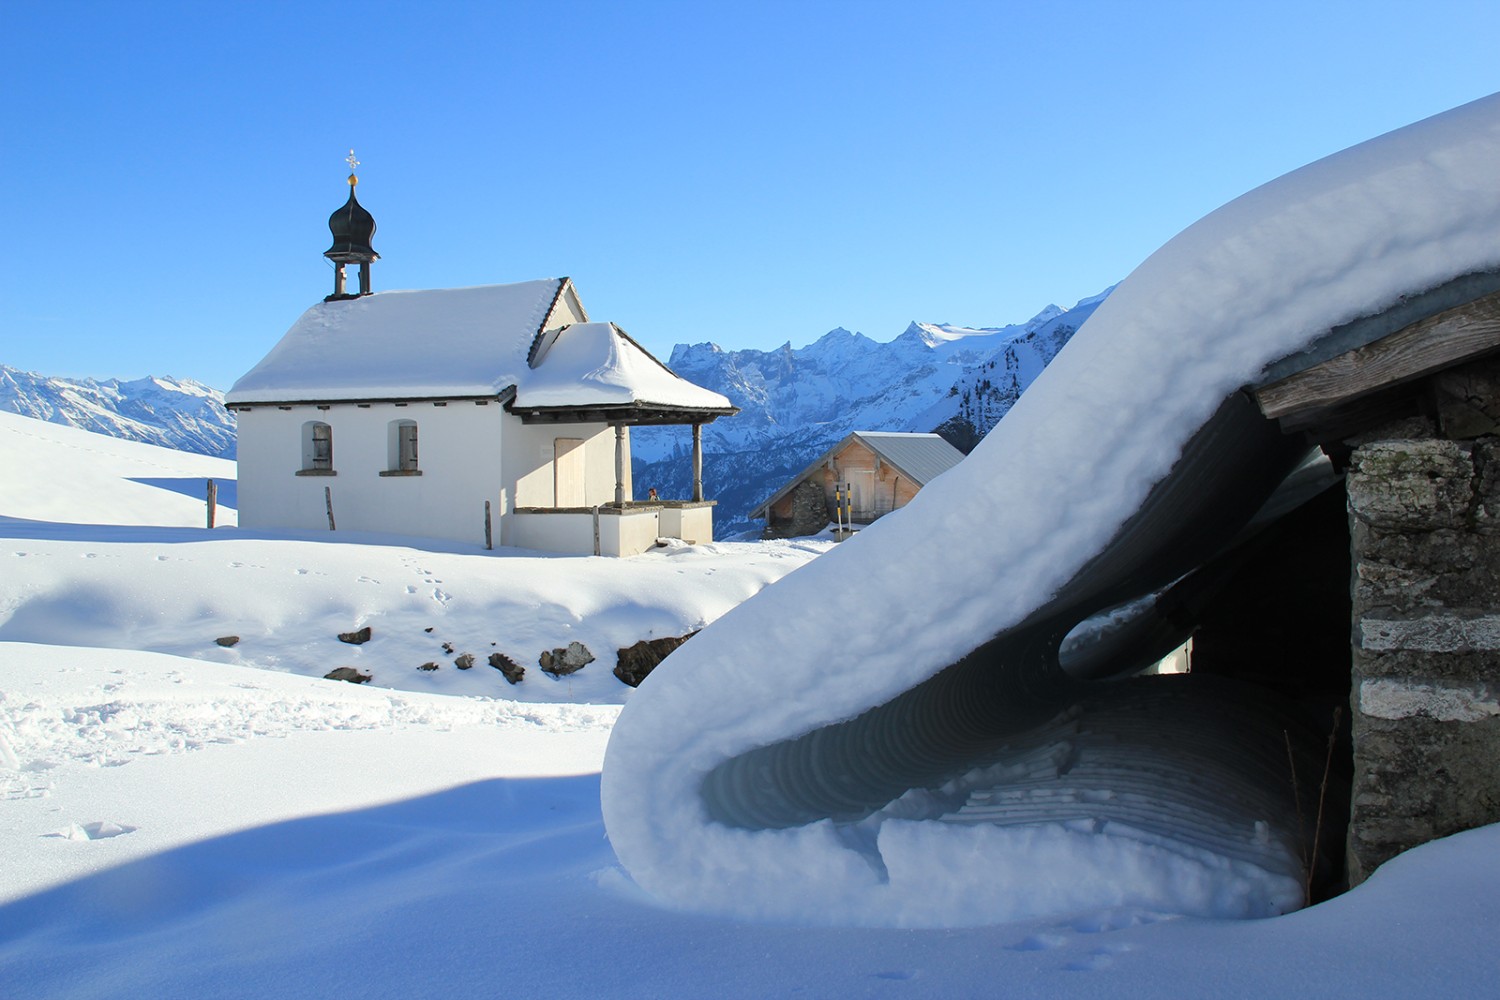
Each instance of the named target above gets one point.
<point>459,453</point>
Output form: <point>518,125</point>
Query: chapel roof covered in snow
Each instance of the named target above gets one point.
<point>487,341</point>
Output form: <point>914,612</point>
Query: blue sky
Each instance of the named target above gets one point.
<point>743,173</point>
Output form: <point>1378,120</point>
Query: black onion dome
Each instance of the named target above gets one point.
<point>352,229</point>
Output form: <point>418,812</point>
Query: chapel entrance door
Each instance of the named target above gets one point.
<point>567,473</point>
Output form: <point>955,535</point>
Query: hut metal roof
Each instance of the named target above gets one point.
<point>919,457</point>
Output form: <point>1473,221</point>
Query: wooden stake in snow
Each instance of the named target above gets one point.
<point>328,502</point>
<point>488,538</point>
<point>213,501</point>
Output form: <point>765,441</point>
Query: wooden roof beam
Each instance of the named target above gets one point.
<point>1413,352</point>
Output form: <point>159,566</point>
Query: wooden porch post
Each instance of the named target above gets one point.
<point>697,462</point>
<point>620,464</point>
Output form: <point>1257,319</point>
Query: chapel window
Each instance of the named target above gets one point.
<point>317,447</point>
<point>402,446</point>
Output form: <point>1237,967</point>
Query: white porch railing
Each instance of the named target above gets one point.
<point>610,529</point>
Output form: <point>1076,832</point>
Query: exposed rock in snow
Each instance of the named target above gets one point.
<point>634,663</point>
<point>565,660</point>
<point>510,669</point>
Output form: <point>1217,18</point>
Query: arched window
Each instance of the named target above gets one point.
<point>401,447</point>
<point>317,448</point>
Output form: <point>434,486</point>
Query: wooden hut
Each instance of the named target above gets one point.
<point>875,471</point>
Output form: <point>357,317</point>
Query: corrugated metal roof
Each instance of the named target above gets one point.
<point>923,457</point>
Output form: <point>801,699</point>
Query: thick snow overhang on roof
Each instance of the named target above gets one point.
<point>779,794</point>
<point>596,368</point>
<point>440,343</point>
<point>919,457</point>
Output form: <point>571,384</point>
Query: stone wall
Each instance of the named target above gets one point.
<point>1424,510</point>
<point>804,511</point>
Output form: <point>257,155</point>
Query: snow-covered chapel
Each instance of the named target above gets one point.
<point>497,415</point>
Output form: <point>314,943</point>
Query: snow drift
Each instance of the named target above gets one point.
<point>887,736</point>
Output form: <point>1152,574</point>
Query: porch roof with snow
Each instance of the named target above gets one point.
<point>598,370</point>
<point>919,457</point>
<point>485,342</point>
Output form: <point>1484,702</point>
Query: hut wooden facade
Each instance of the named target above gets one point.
<point>876,471</point>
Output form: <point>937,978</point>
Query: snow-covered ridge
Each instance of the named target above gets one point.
<point>937,335</point>
<point>159,410</point>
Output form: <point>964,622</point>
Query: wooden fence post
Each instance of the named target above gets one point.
<point>328,502</point>
<point>213,501</point>
<point>488,537</point>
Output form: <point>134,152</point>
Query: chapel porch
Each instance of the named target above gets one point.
<point>623,525</point>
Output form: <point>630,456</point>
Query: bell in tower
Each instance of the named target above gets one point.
<point>352,229</point>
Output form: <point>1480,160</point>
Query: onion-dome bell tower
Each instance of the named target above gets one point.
<point>352,229</point>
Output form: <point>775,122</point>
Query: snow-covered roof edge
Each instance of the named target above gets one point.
<point>597,365</point>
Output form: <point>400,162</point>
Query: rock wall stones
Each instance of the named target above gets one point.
<point>807,512</point>
<point>1425,543</point>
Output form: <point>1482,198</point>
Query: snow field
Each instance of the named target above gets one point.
<point>62,474</point>
<point>288,600</point>
<point>85,735</point>
<point>463,849</point>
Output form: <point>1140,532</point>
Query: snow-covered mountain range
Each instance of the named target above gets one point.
<point>159,410</point>
<point>794,402</point>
